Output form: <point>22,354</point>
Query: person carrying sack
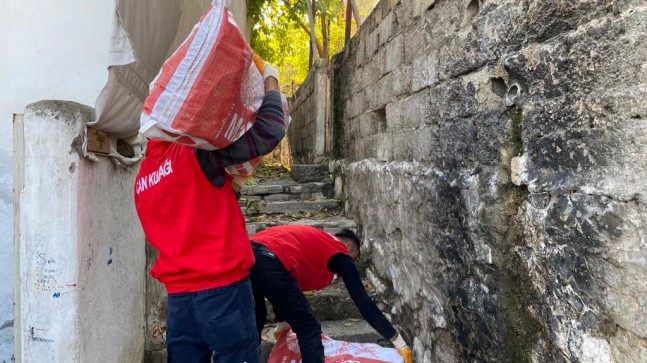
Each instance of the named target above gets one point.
<point>190,215</point>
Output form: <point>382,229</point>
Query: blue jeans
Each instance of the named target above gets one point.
<point>215,322</point>
<point>271,280</point>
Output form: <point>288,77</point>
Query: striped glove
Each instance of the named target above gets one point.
<point>403,349</point>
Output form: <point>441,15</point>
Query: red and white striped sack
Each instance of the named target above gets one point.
<point>286,350</point>
<point>208,92</point>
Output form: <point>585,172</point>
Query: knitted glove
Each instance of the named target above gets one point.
<point>281,328</point>
<point>403,349</point>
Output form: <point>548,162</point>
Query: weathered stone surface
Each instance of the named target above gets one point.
<point>303,173</point>
<point>297,206</point>
<point>277,197</point>
<point>309,114</point>
<point>261,189</point>
<point>503,201</point>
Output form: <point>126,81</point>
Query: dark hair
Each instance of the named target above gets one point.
<point>349,234</point>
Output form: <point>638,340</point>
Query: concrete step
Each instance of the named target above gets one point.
<point>334,303</point>
<point>330,303</point>
<point>350,330</point>
<point>290,206</point>
<point>328,222</point>
<point>287,189</point>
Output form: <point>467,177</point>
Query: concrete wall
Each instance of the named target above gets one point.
<point>496,159</point>
<point>309,133</point>
<point>81,250</point>
<point>50,50</point>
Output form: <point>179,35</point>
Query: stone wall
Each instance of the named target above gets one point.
<point>309,130</point>
<point>495,155</point>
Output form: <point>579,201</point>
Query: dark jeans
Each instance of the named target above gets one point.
<point>216,322</point>
<point>271,280</point>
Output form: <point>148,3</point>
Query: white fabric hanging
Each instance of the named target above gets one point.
<point>144,34</point>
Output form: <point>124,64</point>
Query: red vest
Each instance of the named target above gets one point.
<point>197,229</point>
<point>304,251</point>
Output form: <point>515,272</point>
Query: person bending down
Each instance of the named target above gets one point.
<point>295,258</point>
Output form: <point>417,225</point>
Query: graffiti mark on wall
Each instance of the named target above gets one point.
<point>37,335</point>
<point>110,259</point>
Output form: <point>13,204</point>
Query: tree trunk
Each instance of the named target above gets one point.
<point>358,20</point>
<point>325,34</point>
<point>349,18</point>
<point>311,20</point>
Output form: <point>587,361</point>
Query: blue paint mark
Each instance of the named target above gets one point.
<point>57,295</point>
<point>110,262</point>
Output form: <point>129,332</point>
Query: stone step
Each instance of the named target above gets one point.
<point>286,189</point>
<point>330,303</point>
<point>329,223</point>
<point>333,303</point>
<point>290,206</point>
<point>350,330</point>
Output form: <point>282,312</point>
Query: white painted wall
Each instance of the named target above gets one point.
<point>48,50</point>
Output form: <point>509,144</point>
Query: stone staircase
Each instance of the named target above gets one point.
<point>299,199</point>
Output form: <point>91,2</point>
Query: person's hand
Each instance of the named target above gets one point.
<point>281,328</point>
<point>238,181</point>
<point>402,348</point>
<point>271,78</point>
<point>269,73</point>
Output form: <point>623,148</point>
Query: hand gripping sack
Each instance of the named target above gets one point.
<point>286,350</point>
<point>208,92</point>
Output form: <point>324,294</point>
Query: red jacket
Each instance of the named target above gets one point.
<point>304,251</point>
<point>197,229</point>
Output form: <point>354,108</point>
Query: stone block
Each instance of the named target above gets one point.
<point>394,54</point>
<point>371,46</point>
<point>366,147</point>
<point>404,14</point>
<point>408,113</point>
<point>424,71</point>
<point>261,189</point>
<point>420,6</point>
<point>304,173</point>
<point>385,31</point>
<point>357,105</point>
<point>385,92</point>
<point>371,123</point>
<point>401,80</point>
<point>452,100</point>
<point>276,197</point>
<point>297,206</point>
<point>384,148</point>
<point>413,144</point>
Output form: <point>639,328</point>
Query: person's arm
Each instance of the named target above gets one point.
<point>344,266</point>
<point>267,132</point>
